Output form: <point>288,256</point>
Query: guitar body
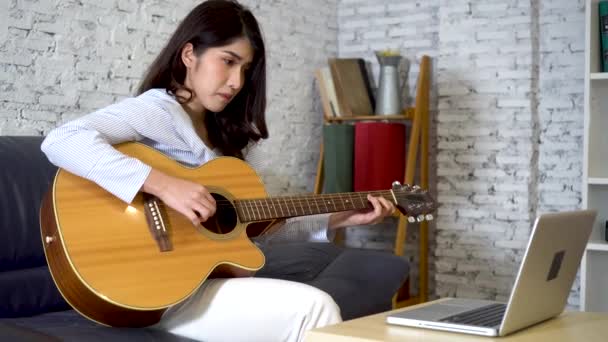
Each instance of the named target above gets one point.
<point>105,261</point>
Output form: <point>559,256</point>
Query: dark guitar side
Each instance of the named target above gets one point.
<point>80,297</point>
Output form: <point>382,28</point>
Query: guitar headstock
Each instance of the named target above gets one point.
<point>414,202</point>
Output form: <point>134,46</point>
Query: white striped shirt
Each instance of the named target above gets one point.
<point>154,118</point>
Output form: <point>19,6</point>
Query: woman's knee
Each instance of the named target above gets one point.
<point>319,307</point>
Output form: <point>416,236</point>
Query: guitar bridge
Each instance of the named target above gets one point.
<point>156,223</point>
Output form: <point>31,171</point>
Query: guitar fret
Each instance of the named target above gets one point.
<point>280,207</point>
<point>257,209</point>
<point>317,204</point>
<point>290,206</point>
<point>274,206</point>
<point>265,208</point>
<point>260,205</point>
<point>253,209</point>
<point>347,202</point>
<point>302,206</point>
<point>293,205</point>
<point>309,207</point>
<point>286,206</point>
<point>248,211</point>
<point>263,211</point>
<point>240,212</point>
<point>363,204</point>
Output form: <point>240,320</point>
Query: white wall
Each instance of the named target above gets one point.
<point>62,59</point>
<point>507,99</point>
<point>508,85</point>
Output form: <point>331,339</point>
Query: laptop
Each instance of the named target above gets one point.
<point>541,288</point>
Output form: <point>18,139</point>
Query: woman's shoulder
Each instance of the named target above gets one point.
<point>254,154</point>
<point>157,97</point>
<point>161,99</point>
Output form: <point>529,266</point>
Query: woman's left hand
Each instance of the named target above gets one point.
<point>381,208</point>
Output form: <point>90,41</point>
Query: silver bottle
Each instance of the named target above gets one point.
<point>388,99</point>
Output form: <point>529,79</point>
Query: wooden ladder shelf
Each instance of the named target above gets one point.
<point>418,140</point>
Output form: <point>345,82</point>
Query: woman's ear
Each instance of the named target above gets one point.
<point>188,57</point>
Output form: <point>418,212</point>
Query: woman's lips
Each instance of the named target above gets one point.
<point>226,97</point>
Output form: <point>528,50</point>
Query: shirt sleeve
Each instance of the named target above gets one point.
<point>84,146</point>
<point>254,156</point>
<point>313,228</point>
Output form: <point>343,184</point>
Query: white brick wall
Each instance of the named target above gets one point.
<point>507,100</point>
<point>411,27</point>
<point>62,59</point>
<point>508,77</point>
<point>560,110</point>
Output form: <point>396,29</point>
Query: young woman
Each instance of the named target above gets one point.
<point>205,96</point>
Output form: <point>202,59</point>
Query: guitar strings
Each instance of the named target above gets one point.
<point>302,199</point>
<point>334,196</point>
<point>307,198</point>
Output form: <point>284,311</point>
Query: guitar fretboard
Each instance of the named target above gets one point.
<point>289,206</point>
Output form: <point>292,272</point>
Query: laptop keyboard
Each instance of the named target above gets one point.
<point>486,316</point>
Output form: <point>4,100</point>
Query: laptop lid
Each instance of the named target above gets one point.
<point>541,288</point>
<point>549,266</point>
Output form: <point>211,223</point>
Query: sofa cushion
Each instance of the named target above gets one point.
<point>362,282</point>
<point>70,326</point>
<point>25,177</point>
<point>26,286</point>
<point>28,292</point>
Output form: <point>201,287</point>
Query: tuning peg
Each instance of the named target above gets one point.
<point>411,219</point>
<point>420,218</point>
<point>429,217</point>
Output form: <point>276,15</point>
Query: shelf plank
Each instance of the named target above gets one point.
<point>597,246</point>
<point>408,114</point>
<point>597,181</point>
<point>599,76</point>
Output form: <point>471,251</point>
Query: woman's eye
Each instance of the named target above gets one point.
<point>228,61</point>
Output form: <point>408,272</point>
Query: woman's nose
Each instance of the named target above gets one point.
<point>236,79</point>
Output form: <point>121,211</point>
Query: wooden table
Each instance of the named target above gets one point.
<point>569,326</point>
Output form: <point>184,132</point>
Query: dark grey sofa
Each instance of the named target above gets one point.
<point>31,308</point>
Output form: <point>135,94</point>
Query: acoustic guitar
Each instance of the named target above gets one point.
<point>124,265</point>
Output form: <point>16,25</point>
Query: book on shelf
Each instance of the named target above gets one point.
<point>367,81</point>
<point>352,93</point>
<point>603,19</point>
<point>379,155</point>
<point>328,93</point>
<point>338,145</point>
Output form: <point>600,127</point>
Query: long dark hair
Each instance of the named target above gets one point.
<point>216,23</point>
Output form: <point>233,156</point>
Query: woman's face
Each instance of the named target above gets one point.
<point>217,75</point>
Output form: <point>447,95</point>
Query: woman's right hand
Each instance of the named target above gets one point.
<point>188,198</point>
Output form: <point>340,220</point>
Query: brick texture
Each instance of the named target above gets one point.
<point>508,94</point>
<point>507,97</point>
<point>63,59</point>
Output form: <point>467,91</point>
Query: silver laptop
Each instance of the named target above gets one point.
<point>541,288</point>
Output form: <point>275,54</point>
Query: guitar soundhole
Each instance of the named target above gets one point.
<point>224,220</point>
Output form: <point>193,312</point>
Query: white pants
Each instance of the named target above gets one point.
<point>251,309</point>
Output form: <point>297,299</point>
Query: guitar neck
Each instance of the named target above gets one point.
<point>270,208</point>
